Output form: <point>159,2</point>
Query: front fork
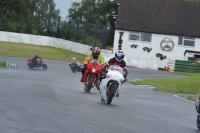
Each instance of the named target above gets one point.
<point>96,80</point>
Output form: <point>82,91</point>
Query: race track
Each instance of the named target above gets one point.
<point>53,101</point>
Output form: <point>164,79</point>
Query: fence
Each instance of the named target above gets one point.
<point>187,66</point>
<point>9,65</point>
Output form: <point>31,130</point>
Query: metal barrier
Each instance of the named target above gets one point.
<point>187,66</point>
<point>9,65</point>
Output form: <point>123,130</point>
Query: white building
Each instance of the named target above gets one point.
<point>153,33</point>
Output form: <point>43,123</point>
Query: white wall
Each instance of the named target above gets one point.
<point>45,41</point>
<point>49,41</point>
<point>142,59</point>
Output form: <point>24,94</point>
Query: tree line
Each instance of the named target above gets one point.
<point>86,19</point>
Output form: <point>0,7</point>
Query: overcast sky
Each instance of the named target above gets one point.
<point>64,5</point>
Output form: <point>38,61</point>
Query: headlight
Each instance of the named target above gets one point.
<point>93,70</point>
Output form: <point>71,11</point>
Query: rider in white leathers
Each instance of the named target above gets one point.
<point>117,60</point>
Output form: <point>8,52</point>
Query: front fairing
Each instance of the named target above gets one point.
<point>113,76</point>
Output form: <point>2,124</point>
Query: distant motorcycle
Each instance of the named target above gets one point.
<point>39,64</point>
<point>197,105</point>
<point>92,74</point>
<point>110,84</point>
<point>75,67</point>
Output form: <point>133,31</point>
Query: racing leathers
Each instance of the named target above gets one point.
<point>88,57</point>
<point>112,61</point>
<point>34,60</point>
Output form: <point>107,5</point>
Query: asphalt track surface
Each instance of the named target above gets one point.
<point>53,101</point>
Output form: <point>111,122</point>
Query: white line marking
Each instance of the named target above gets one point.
<point>183,98</point>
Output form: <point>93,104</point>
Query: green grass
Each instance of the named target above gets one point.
<point>190,84</point>
<point>192,98</point>
<point>45,52</point>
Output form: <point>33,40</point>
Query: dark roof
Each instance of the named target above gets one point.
<point>174,17</point>
<point>189,51</point>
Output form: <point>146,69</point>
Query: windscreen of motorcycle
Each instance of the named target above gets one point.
<point>95,62</point>
<point>116,68</point>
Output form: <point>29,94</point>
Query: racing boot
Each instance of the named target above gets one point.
<point>98,83</point>
<point>117,93</point>
<point>102,100</point>
<point>97,87</point>
<point>82,79</point>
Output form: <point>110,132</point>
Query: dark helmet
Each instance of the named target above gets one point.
<point>36,56</point>
<point>119,55</point>
<point>96,52</point>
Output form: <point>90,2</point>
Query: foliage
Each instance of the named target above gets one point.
<point>98,12</point>
<point>89,21</point>
<point>28,16</point>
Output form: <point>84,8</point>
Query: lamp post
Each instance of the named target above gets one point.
<point>58,28</point>
<point>114,15</point>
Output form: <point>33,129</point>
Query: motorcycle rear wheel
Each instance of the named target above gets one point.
<point>30,66</point>
<point>111,93</point>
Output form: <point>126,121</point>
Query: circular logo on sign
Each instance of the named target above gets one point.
<point>167,44</point>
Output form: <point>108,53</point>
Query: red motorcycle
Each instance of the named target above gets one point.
<point>39,64</point>
<point>92,75</point>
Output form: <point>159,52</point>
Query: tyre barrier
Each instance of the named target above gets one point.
<point>9,65</point>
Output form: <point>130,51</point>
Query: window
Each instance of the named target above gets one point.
<point>186,41</point>
<point>140,36</point>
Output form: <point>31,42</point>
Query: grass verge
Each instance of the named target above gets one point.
<point>45,52</point>
<point>186,85</point>
<point>192,98</point>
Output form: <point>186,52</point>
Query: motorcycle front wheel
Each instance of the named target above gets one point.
<point>89,86</point>
<point>44,66</point>
<point>73,69</point>
<point>111,93</point>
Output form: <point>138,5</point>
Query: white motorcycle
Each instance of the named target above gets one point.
<point>109,85</point>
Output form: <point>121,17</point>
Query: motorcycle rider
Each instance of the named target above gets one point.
<point>96,54</point>
<point>117,60</point>
<point>34,60</point>
<point>74,61</point>
<point>78,64</point>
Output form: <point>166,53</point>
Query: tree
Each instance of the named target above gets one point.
<point>96,14</point>
<point>29,16</point>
